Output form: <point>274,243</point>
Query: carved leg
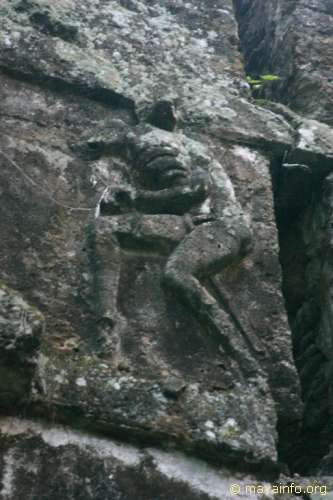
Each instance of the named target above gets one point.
<point>207,250</point>
<point>107,261</point>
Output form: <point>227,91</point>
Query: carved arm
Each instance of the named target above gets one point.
<point>174,200</point>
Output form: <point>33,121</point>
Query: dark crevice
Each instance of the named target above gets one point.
<point>48,26</point>
<point>303,196</point>
<point>302,222</point>
<point>42,20</point>
<point>259,23</point>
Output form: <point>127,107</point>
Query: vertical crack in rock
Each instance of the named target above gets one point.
<point>302,222</point>
<point>284,37</point>
<point>291,39</point>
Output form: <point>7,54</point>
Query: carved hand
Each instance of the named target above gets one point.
<point>118,199</point>
<point>200,183</point>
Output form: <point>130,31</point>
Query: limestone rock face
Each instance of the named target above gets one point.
<point>137,215</point>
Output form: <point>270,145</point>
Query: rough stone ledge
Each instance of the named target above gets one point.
<point>88,395</point>
<point>94,466</point>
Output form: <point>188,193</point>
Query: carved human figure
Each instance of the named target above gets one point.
<point>177,199</point>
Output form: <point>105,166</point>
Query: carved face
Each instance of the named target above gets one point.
<point>164,167</point>
<point>160,160</point>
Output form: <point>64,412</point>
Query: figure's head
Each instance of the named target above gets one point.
<point>162,167</point>
<point>162,159</point>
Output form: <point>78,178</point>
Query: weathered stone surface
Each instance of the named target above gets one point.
<point>55,271</point>
<point>303,189</point>
<point>293,39</point>
<point>135,55</point>
<point>21,327</point>
<point>42,461</point>
<point>304,209</point>
<point>128,352</point>
<point>314,144</point>
<point>141,408</point>
<point>313,140</point>
<point>138,399</point>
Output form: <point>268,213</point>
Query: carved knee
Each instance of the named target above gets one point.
<point>172,277</point>
<point>245,236</point>
<point>246,241</point>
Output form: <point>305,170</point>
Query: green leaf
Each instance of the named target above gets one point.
<point>269,78</point>
<point>257,87</point>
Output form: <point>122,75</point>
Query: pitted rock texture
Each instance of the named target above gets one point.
<point>76,78</point>
<point>43,461</point>
<point>135,55</point>
<point>48,112</point>
<point>21,328</point>
<point>21,325</point>
<point>51,461</point>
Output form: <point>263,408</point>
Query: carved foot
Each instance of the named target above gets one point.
<point>108,337</point>
<point>232,341</point>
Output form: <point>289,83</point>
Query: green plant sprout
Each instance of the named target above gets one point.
<point>269,78</point>
<point>257,83</point>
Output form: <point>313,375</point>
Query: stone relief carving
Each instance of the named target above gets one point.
<point>175,199</point>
